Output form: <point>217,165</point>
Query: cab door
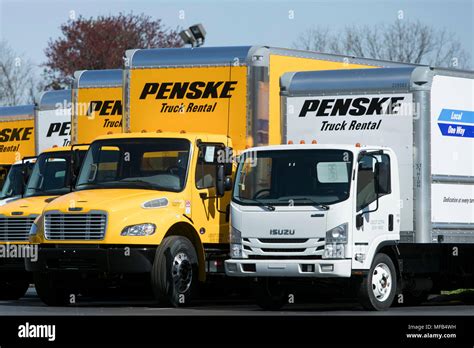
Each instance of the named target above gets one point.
<point>210,212</point>
<point>374,217</point>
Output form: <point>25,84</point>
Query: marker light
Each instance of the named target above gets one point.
<point>314,142</point>
<point>358,145</point>
<point>290,142</point>
<point>302,142</point>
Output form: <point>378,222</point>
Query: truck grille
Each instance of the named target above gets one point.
<point>285,248</point>
<point>15,228</point>
<point>89,226</point>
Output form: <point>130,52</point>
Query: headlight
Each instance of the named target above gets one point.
<point>139,230</point>
<point>33,229</point>
<point>34,226</point>
<point>235,243</point>
<point>336,240</point>
<point>337,234</point>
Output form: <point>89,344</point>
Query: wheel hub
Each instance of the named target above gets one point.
<point>182,272</point>
<point>381,282</point>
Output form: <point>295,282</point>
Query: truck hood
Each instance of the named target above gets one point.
<point>27,206</point>
<point>110,200</point>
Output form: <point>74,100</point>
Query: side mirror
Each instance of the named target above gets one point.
<point>220,181</point>
<point>359,220</point>
<point>382,178</point>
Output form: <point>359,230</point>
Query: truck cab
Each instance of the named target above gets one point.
<point>16,179</point>
<point>144,204</point>
<point>316,211</point>
<point>49,178</point>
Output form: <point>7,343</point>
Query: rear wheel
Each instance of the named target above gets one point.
<point>175,271</point>
<point>50,289</point>
<point>271,294</point>
<point>378,287</point>
<point>14,287</point>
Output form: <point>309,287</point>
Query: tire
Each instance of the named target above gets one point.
<point>271,295</point>
<point>174,275</point>
<point>378,288</point>
<point>14,288</point>
<point>50,291</point>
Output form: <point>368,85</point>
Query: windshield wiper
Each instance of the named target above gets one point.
<point>318,204</point>
<point>259,203</point>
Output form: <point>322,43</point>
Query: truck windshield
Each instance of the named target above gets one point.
<point>50,175</point>
<point>158,164</point>
<point>293,177</point>
<point>15,180</point>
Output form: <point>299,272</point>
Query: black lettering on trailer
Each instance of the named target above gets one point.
<point>191,90</point>
<point>309,105</point>
<point>376,106</point>
<point>106,105</point>
<point>228,87</point>
<point>117,109</point>
<point>18,134</point>
<point>196,92</point>
<point>94,105</point>
<point>179,90</point>
<point>53,128</point>
<point>341,106</point>
<point>149,88</point>
<point>5,134</point>
<point>358,109</point>
<point>323,106</point>
<point>164,88</point>
<point>26,133</point>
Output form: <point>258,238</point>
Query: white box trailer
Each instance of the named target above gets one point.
<point>422,116</point>
<point>53,119</point>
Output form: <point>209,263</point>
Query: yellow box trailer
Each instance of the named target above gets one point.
<point>17,137</point>
<point>154,201</point>
<point>97,100</point>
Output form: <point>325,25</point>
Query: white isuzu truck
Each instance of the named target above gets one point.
<point>390,211</point>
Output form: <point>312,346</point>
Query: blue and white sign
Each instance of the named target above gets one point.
<point>456,123</point>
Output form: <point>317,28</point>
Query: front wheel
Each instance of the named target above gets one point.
<point>175,270</point>
<point>271,295</point>
<point>50,289</point>
<point>378,287</point>
<point>13,288</point>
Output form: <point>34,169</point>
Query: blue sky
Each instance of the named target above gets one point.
<point>28,24</point>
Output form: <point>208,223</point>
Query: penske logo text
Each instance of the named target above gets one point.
<point>178,91</point>
<point>189,90</point>
<point>105,107</point>
<point>15,134</point>
<point>351,106</point>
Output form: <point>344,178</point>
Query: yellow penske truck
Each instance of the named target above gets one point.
<point>17,138</point>
<point>52,127</point>
<point>97,99</point>
<point>154,201</point>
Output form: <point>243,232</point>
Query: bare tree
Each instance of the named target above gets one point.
<point>402,41</point>
<point>17,78</point>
